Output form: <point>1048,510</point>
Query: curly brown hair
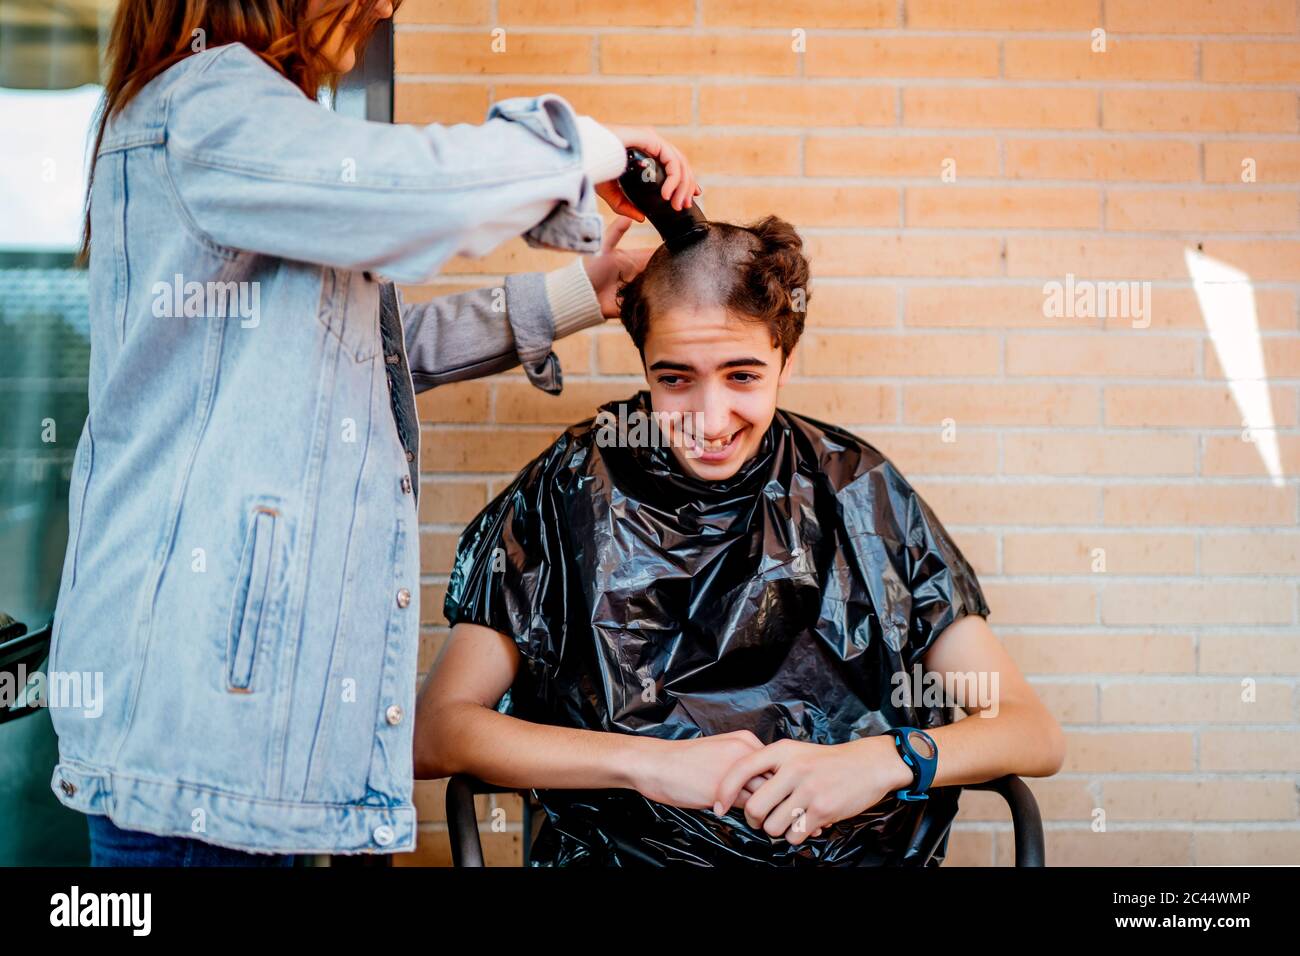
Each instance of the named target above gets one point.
<point>756,272</point>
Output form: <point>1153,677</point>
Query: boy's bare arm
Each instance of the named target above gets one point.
<point>1007,730</point>
<point>458,730</point>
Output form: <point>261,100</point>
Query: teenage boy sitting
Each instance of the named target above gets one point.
<point>695,649</point>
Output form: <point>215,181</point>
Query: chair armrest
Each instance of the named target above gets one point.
<point>21,654</point>
<point>467,849</point>
<point>462,819</point>
<point>1025,818</point>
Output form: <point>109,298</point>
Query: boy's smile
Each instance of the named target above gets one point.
<point>717,378</point>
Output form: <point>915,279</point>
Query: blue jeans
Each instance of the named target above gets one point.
<point>110,845</point>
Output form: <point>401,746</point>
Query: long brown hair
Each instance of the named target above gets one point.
<point>148,36</point>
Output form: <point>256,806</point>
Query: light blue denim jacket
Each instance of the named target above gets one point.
<point>242,569</point>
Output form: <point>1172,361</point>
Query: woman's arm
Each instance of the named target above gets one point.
<point>255,165</point>
<point>461,336</point>
<point>455,337</point>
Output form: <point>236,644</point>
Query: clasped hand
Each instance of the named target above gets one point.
<point>789,788</point>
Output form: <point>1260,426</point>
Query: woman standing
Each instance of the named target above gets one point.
<point>239,607</point>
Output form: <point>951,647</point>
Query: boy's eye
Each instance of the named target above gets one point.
<point>740,378</point>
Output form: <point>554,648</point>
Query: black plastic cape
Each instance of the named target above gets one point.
<point>784,600</point>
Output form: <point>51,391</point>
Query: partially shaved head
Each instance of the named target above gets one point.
<point>757,273</point>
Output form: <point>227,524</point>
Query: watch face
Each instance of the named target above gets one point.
<point>921,744</point>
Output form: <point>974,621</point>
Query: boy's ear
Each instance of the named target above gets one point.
<point>788,367</point>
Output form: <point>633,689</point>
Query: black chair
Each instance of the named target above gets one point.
<point>467,850</point>
<point>21,655</point>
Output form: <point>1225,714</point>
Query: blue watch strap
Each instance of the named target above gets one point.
<point>923,761</point>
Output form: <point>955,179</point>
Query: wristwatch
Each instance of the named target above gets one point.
<point>921,754</point>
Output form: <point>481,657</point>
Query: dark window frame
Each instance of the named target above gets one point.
<point>367,91</point>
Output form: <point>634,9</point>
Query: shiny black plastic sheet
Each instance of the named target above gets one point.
<point>785,600</point>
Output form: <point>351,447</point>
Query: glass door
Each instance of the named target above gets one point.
<point>51,53</point>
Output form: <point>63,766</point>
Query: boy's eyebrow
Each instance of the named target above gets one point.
<point>683,367</point>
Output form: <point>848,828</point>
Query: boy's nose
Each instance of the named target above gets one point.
<point>715,418</point>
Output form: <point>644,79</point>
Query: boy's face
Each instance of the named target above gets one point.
<point>717,378</point>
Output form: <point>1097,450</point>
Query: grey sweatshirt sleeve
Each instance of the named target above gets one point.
<point>483,331</point>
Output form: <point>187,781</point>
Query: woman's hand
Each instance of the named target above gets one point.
<point>812,786</point>
<point>611,267</point>
<point>679,180</point>
<point>687,773</point>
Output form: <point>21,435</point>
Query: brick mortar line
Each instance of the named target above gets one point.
<point>1082,35</point>
<point>904,184</point>
<point>1187,236</point>
<point>940,379</point>
<point>1180,776</point>
<point>919,132</point>
<point>613,329</point>
<point>955,83</point>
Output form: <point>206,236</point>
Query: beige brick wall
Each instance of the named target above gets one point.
<point>1072,434</point>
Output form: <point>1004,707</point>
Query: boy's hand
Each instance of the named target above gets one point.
<point>687,773</point>
<point>812,786</point>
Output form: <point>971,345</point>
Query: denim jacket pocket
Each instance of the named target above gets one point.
<point>254,594</point>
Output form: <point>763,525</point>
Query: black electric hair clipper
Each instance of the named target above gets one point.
<point>642,183</point>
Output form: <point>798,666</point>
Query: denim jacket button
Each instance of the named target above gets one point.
<point>410,456</point>
<point>406,484</point>
<point>403,597</point>
<point>393,714</point>
<point>67,786</point>
<point>383,834</point>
